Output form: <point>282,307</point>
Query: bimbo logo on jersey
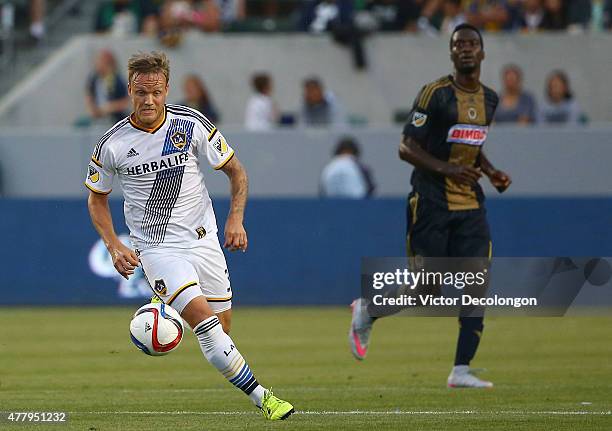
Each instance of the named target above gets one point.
<point>468,134</point>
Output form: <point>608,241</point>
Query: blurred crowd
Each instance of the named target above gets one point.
<point>345,175</point>
<point>168,18</point>
<point>348,22</point>
<point>346,19</point>
<point>106,100</point>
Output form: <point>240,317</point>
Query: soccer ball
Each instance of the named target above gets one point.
<point>156,329</point>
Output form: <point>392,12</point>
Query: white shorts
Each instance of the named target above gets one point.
<point>178,275</point>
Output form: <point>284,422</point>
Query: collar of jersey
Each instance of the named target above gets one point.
<point>154,129</point>
<point>465,90</point>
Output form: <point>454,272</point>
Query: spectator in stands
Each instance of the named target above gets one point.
<point>554,18</point>
<point>515,104</point>
<point>560,105</point>
<point>319,107</point>
<point>37,19</point>
<point>453,16</point>
<point>534,15</point>
<point>490,15</point>
<point>261,112</point>
<point>337,18</point>
<point>106,92</point>
<point>578,15</point>
<point>148,16</point>
<point>345,176</point>
<point>531,15</point>
<point>392,15</point>
<point>118,17</point>
<point>196,96</point>
<point>177,16</point>
<point>232,11</point>
<point>204,15</point>
<point>318,15</point>
<point>428,11</point>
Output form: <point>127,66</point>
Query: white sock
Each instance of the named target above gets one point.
<point>220,351</point>
<point>461,369</point>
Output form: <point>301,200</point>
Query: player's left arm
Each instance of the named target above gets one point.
<point>500,180</point>
<point>235,234</point>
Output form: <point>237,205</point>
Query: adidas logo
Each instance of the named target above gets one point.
<point>147,327</point>
<point>132,153</point>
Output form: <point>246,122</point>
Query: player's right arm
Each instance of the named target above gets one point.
<point>125,260</point>
<point>99,181</point>
<point>417,131</point>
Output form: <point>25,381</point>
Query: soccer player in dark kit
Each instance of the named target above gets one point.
<point>443,139</point>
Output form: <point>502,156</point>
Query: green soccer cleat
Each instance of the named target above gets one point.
<point>274,408</point>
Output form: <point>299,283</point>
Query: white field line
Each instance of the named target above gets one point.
<point>438,390</point>
<point>362,413</point>
<point>433,389</point>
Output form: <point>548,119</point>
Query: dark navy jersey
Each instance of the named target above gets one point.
<point>451,124</point>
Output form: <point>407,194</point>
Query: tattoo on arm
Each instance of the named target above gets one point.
<point>239,186</point>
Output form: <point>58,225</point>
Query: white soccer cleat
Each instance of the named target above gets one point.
<point>465,378</point>
<point>361,326</point>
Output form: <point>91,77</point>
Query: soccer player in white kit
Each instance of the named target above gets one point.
<point>154,153</point>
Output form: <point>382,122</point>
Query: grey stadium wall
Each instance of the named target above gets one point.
<point>556,162</point>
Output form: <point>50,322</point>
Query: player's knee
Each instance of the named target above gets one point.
<point>227,326</point>
<point>225,318</point>
<point>196,311</point>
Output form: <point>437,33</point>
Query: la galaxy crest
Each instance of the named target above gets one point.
<point>179,139</point>
<point>160,287</point>
<point>94,175</point>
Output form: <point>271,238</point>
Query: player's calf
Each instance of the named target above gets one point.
<point>225,317</point>
<point>219,349</point>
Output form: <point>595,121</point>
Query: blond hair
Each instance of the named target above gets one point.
<point>149,62</point>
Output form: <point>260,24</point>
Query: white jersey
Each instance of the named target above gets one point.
<point>166,201</point>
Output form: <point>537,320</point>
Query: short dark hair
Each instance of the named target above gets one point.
<point>260,82</point>
<point>345,145</point>
<point>313,80</point>
<point>511,67</point>
<point>558,73</point>
<point>465,26</point>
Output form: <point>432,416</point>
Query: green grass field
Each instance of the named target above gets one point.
<point>550,373</point>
